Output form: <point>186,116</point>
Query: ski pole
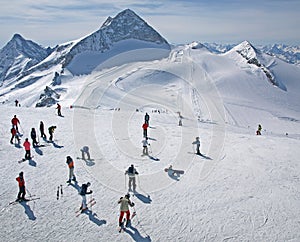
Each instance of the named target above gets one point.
<point>28,192</point>
<point>125,180</point>
<point>21,128</point>
<point>91,202</point>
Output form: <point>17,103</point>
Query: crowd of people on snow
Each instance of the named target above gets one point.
<point>16,134</point>
<point>131,172</point>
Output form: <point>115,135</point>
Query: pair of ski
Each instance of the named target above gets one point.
<point>59,192</point>
<point>32,198</point>
<point>122,227</point>
<point>19,201</point>
<point>90,204</point>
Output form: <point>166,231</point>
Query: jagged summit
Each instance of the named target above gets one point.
<point>246,49</point>
<point>125,15</point>
<point>252,56</point>
<point>126,26</point>
<point>18,55</point>
<point>18,45</point>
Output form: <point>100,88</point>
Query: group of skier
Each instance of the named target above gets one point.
<point>124,202</point>
<point>16,136</point>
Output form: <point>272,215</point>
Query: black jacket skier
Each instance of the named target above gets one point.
<point>147,117</point>
<point>83,192</point>
<point>33,137</point>
<point>51,131</point>
<point>42,130</point>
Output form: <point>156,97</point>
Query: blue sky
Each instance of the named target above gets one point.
<point>51,22</point>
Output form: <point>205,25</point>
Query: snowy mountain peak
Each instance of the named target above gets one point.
<point>256,59</point>
<point>246,49</point>
<point>126,26</point>
<point>19,55</point>
<point>17,38</point>
<point>196,45</point>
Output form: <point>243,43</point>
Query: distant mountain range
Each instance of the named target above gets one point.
<point>288,53</point>
<point>23,62</point>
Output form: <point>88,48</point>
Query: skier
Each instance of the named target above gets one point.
<point>259,128</point>
<point>145,146</point>
<point>42,130</point>
<point>33,137</point>
<point>51,131</point>
<point>83,193</point>
<point>14,135</point>
<point>58,109</point>
<point>22,190</point>
<point>147,117</point>
<point>85,150</point>
<point>131,171</point>
<point>70,163</point>
<point>124,208</point>
<point>197,143</point>
<point>16,102</point>
<point>145,126</point>
<point>179,119</point>
<point>26,144</point>
<point>15,121</point>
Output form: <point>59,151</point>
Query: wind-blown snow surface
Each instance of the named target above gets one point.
<point>245,188</point>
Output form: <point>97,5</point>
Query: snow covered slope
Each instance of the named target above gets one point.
<point>244,187</point>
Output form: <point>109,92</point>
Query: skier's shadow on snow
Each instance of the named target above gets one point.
<point>57,146</point>
<point>75,185</point>
<point>38,151</point>
<point>201,155</point>
<point>143,198</point>
<point>32,163</point>
<point>18,146</point>
<point>93,218</point>
<point>174,176</point>
<point>153,139</point>
<point>28,211</point>
<point>135,234</point>
<point>89,162</point>
<point>206,157</point>
<point>153,158</point>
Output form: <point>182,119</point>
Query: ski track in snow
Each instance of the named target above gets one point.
<point>246,189</point>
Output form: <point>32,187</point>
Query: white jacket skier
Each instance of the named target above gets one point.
<point>145,146</point>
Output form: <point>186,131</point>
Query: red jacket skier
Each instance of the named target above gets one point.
<point>15,121</point>
<point>145,126</point>
<point>22,190</point>
<point>26,145</point>
<point>14,135</point>
<point>124,208</point>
